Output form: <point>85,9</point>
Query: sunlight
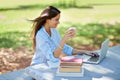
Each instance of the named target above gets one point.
<point>102,78</point>
<point>98,69</point>
<point>48,76</point>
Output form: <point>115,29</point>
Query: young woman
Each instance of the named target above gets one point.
<point>47,43</point>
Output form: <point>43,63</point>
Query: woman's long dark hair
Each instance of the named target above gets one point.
<point>47,13</point>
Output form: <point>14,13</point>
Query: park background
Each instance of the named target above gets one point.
<point>95,21</point>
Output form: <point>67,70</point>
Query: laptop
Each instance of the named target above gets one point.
<point>102,53</point>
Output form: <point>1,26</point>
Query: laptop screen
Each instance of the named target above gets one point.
<point>104,48</point>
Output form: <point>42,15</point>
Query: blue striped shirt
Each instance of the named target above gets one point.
<point>45,46</point>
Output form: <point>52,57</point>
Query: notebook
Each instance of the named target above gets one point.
<point>102,53</point>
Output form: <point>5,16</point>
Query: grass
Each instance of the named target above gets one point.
<point>94,34</point>
<point>95,21</point>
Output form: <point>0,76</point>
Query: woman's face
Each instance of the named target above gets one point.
<point>53,22</point>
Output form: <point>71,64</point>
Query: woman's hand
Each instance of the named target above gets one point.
<point>70,33</point>
<point>92,53</point>
<point>86,52</point>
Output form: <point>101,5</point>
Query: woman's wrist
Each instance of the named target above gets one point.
<point>60,46</point>
<point>79,52</point>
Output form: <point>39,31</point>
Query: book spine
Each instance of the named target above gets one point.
<point>70,64</point>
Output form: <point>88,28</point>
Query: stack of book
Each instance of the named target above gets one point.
<point>70,66</point>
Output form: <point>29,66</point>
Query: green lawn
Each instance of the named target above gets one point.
<point>95,21</point>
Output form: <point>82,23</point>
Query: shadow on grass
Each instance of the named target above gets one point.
<point>36,6</point>
<point>99,32</point>
<point>89,34</point>
<point>94,34</point>
<point>39,6</point>
<point>5,42</point>
<point>23,7</point>
<point>14,39</point>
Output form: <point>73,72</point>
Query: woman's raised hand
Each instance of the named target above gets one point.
<point>70,33</point>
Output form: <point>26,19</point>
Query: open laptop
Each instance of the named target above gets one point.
<point>102,53</point>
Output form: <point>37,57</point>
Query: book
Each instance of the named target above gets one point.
<point>70,74</point>
<point>70,69</point>
<point>70,64</point>
<point>71,61</point>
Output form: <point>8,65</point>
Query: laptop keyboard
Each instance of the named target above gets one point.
<point>94,58</point>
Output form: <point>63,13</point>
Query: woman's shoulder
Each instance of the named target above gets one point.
<point>40,32</point>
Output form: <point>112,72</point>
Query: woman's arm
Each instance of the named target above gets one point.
<point>78,52</point>
<point>59,50</point>
<point>86,52</point>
